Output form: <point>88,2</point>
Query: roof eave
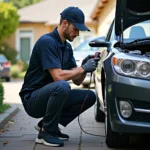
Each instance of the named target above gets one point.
<point>30,21</point>
<point>99,7</point>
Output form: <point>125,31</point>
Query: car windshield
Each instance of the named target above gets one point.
<point>84,46</point>
<point>138,31</point>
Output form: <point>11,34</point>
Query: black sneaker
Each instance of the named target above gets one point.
<point>48,139</point>
<point>61,135</point>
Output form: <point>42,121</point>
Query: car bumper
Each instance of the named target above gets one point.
<point>135,91</point>
<point>5,73</point>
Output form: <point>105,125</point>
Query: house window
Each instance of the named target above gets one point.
<point>24,44</point>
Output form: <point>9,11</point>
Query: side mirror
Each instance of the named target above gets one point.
<point>99,42</point>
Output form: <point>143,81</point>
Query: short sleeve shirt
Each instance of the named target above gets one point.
<point>48,52</point>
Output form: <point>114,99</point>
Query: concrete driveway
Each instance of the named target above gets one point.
<point>19,133</point>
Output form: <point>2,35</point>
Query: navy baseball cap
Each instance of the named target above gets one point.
<point>75,16</point>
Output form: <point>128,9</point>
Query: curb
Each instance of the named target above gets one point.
<point>8,114</point>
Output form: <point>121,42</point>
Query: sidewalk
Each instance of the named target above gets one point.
<point>19,132</point>
<point>5,117</point>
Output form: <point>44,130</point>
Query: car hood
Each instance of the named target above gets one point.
<point>130,12</point>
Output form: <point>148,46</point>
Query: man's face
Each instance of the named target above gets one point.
<point>70,33</point>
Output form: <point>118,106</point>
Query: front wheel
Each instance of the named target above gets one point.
<point>114,139</point>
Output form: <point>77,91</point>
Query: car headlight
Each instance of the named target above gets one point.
<point>144,69</point>
<point>127,66</point>
<point>132,66</point>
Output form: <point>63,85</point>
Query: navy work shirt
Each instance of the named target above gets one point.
<point>48,52</point>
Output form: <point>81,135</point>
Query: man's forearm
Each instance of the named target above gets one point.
<point>66,74</point>
<point>76,74</point>
<point>79,78</point>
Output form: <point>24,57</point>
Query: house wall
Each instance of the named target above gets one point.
<point>106,16</point>
<point>11,40</point>
<point>38,30</point>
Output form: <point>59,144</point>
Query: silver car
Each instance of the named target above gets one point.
<point>122,78</point>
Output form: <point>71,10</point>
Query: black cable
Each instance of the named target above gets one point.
<point>82,108</point>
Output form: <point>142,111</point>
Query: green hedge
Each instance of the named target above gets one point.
<point>3,107</point>
<point>1,94</point>
<point>9,52</point>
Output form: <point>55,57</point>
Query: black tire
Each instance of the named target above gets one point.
<point>114,139</point>
<point>8,79</point>
<point>85,85</point>
<point>99,115</point>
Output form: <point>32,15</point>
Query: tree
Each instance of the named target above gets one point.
<point>9,19</point>
<point>22,3</point>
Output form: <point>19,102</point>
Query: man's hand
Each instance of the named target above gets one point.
<point>87,58</point>
<point>90,65</point>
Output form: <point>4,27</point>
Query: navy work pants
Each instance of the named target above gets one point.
<point>58,104</point>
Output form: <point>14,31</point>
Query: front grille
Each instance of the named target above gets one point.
<point>142,117</point>
<point>141,104</point>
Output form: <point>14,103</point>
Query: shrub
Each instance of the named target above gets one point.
<point>22,74</point>
<point>23,66</point>
<point>15,71</point>
<point>9,20</point>
<point>9,52</point>
<point>1,94</point>
<point>4,107</point>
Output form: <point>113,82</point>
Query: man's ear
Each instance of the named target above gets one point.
<point>65,23</point>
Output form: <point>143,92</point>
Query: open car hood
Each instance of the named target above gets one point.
<point>130,12</point>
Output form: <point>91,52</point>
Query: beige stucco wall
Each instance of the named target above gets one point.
<point>38,30</point>
<point>11,40</point>
<point>106,16</point>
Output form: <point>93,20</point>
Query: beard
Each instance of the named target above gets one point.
<point>67,36</point>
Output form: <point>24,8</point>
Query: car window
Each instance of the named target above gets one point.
<point>138,31</point>
<point>3,58</point>
<point>84,46</point>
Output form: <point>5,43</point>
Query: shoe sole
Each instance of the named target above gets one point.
<point>42,141</point>
<point>38,129</point>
